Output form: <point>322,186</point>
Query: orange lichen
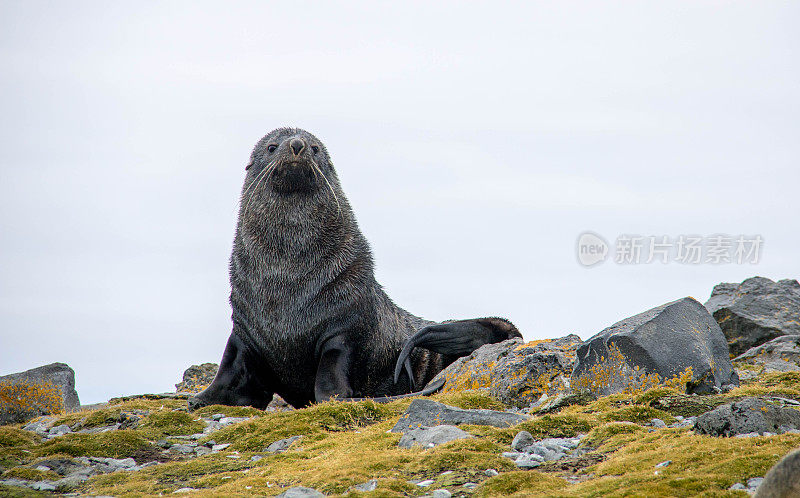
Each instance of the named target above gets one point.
<point>30,398</point>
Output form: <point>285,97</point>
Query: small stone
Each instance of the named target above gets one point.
<point>767,434</point>
<point>428,437</point>
<point>754,482</point>
<point>235,457</point>
<point>42,486</point>
<point>282,445</point>
<point>491,472</point>
<point>217,417</point>
<point>658,423</point>
<point>202,450</point>
<point>470,485</point>
<point>182,448</point>
<point>738,487</point>
<point>367,486</point>
<point>219,447</point>
<point>425,483</point>
<point>163,443</point>
<point>256,458</point>
<point>42,468</point>
<point>522,440</point>
<point>511,454</point>
<point>664,463</point>
<point>232,420</point>
<point>300,492</point>
<point>749,434</point>
<point>184,490</point>
<point>441,493</point>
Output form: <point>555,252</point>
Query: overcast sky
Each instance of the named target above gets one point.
<point>475,141</point>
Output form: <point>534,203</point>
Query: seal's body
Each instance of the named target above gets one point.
<point>309,320</point>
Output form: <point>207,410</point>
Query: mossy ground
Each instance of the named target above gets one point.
<point>345,444</point>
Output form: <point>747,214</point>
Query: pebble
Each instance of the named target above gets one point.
<point>202,450</point>
<point>219,447</point>
<point>754,482</point>
<point>370,485</point>
<point>533,453</point>
<point>441,493</point>
<point>491,472</point>
<point>470,485</point>
<point>182,448</point>
<point>664,463</point>
<point>658,423</point>
<point>738,487</point>
<point>425,483</point>
<point>256,458</point>
<point>217,417</point>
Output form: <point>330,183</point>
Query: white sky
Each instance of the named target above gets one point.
<point>476,141</point>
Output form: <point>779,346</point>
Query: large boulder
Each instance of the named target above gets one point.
<point>197,377</point>
<point>39,391</point>
<point>428,413</point>
<point>661,344</point>
<point>748,416</point>
<point>514,372</point>
<point>428,437</point>
<point>783,479</point>
<point>756,311</point>
<point>781,354</point>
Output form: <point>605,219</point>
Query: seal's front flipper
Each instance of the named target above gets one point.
<point>239,380</point>
<point>333,378</point>
<point>457,338</point>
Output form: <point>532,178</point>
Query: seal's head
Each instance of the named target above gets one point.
<point>290,162</point>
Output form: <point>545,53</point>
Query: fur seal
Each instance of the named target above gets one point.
<point>310,322</point>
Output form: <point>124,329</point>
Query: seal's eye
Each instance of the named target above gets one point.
<point>271,148</point>
<point>315,149</point>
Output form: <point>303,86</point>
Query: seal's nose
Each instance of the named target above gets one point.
<point>297,145</point>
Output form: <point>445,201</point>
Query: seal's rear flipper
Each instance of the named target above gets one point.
<point>427,391</point>
<point>457,338</point>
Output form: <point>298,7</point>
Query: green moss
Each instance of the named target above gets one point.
<point>521,483</point>
<point>554,426</point>
<point>470,400</point>
<point>172,423</point>
<point>12,436</point>
<point>30,474</point>
<point>113,444</point>
<point>18,492</point>
<point>638,414</point>
<point>608,436</point>
<point>229,411</point>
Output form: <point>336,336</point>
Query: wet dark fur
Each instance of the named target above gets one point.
<point>309,320</point>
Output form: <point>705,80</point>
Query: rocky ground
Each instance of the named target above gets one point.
<point>509,422</point>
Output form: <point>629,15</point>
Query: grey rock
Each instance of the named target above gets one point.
<point>282,445</point>
<point>754,482</point>
<point>40,426</point>
<point>658,423</point>
<point>554,403</point>
<point>749,415</point>
<point>59,375</point>
<point>219,447</point>
<point>217,417</point>
<point>256,458</point>
<point>232,420</point>
<point>212,426</point>
<point>738,487</point>
<point>370,485</point>
<point>441,493</point>
<point>202,450</point>
<point>511,454</point>
<point>42,486</point>
<point>428,437</point>
<point>748,434</point>
<point>783,479</point>
<point>182,448</point>
<point>491,472</point>
<point>529,460</point>
<point>58,430</point>
<point>184,490</point>
<point>665,463</point>
<point>781,354</point>
<point>510,367</point>
<point>522,440</point>
<point>469,485</point>
<point>300,492</point>
<point>665,340</point>
<point>428,413</point>
<point>756,311</point>
<point>197,377</point>
<point>425,483</point>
